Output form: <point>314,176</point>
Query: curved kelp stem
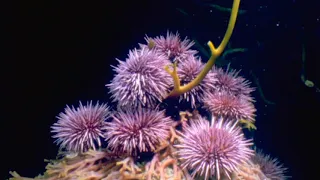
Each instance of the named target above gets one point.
<point>304,80</point>
<point>215,53</point>
<point>256,81</point>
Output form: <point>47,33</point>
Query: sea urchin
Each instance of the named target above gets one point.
<point>80,129</point>
<point>213,150</point>
<point>137,131</point>
<point>141,80</point>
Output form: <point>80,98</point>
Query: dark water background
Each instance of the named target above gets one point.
<point>60,52</point>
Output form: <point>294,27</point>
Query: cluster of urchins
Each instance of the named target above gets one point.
<point>209,148</point>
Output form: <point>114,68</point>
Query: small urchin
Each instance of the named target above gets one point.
<point>188,70</point>
<point>226,105</point>
<point>141,80</point>
<point>230,81</point>
<point>81,129</point>
<point>271,167</point>
<point>134,131</point>
<point>213,150</point>
<point>172,46</point>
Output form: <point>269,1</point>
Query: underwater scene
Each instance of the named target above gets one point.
<point>162,90</point>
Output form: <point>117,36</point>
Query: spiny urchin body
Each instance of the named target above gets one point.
<point>141,80</point>
<point>80,129</point>
<point>226,105</point>
<point>173,47</point>
<point>231,82</point>
<point>271,167</point>
<point>142,130</point>
<point>213,150</point>
<point>189,70</point>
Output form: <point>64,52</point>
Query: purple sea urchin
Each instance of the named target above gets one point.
<point>271,167</point>
<point>80,129</point>
<point>137,131</point>
<point>231,82</point>
<point>226,105</point>
<point>173,47</point>
<point>213,150</point>
<point>141,80</point>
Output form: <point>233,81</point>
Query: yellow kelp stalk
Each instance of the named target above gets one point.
<point>215,53</point>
